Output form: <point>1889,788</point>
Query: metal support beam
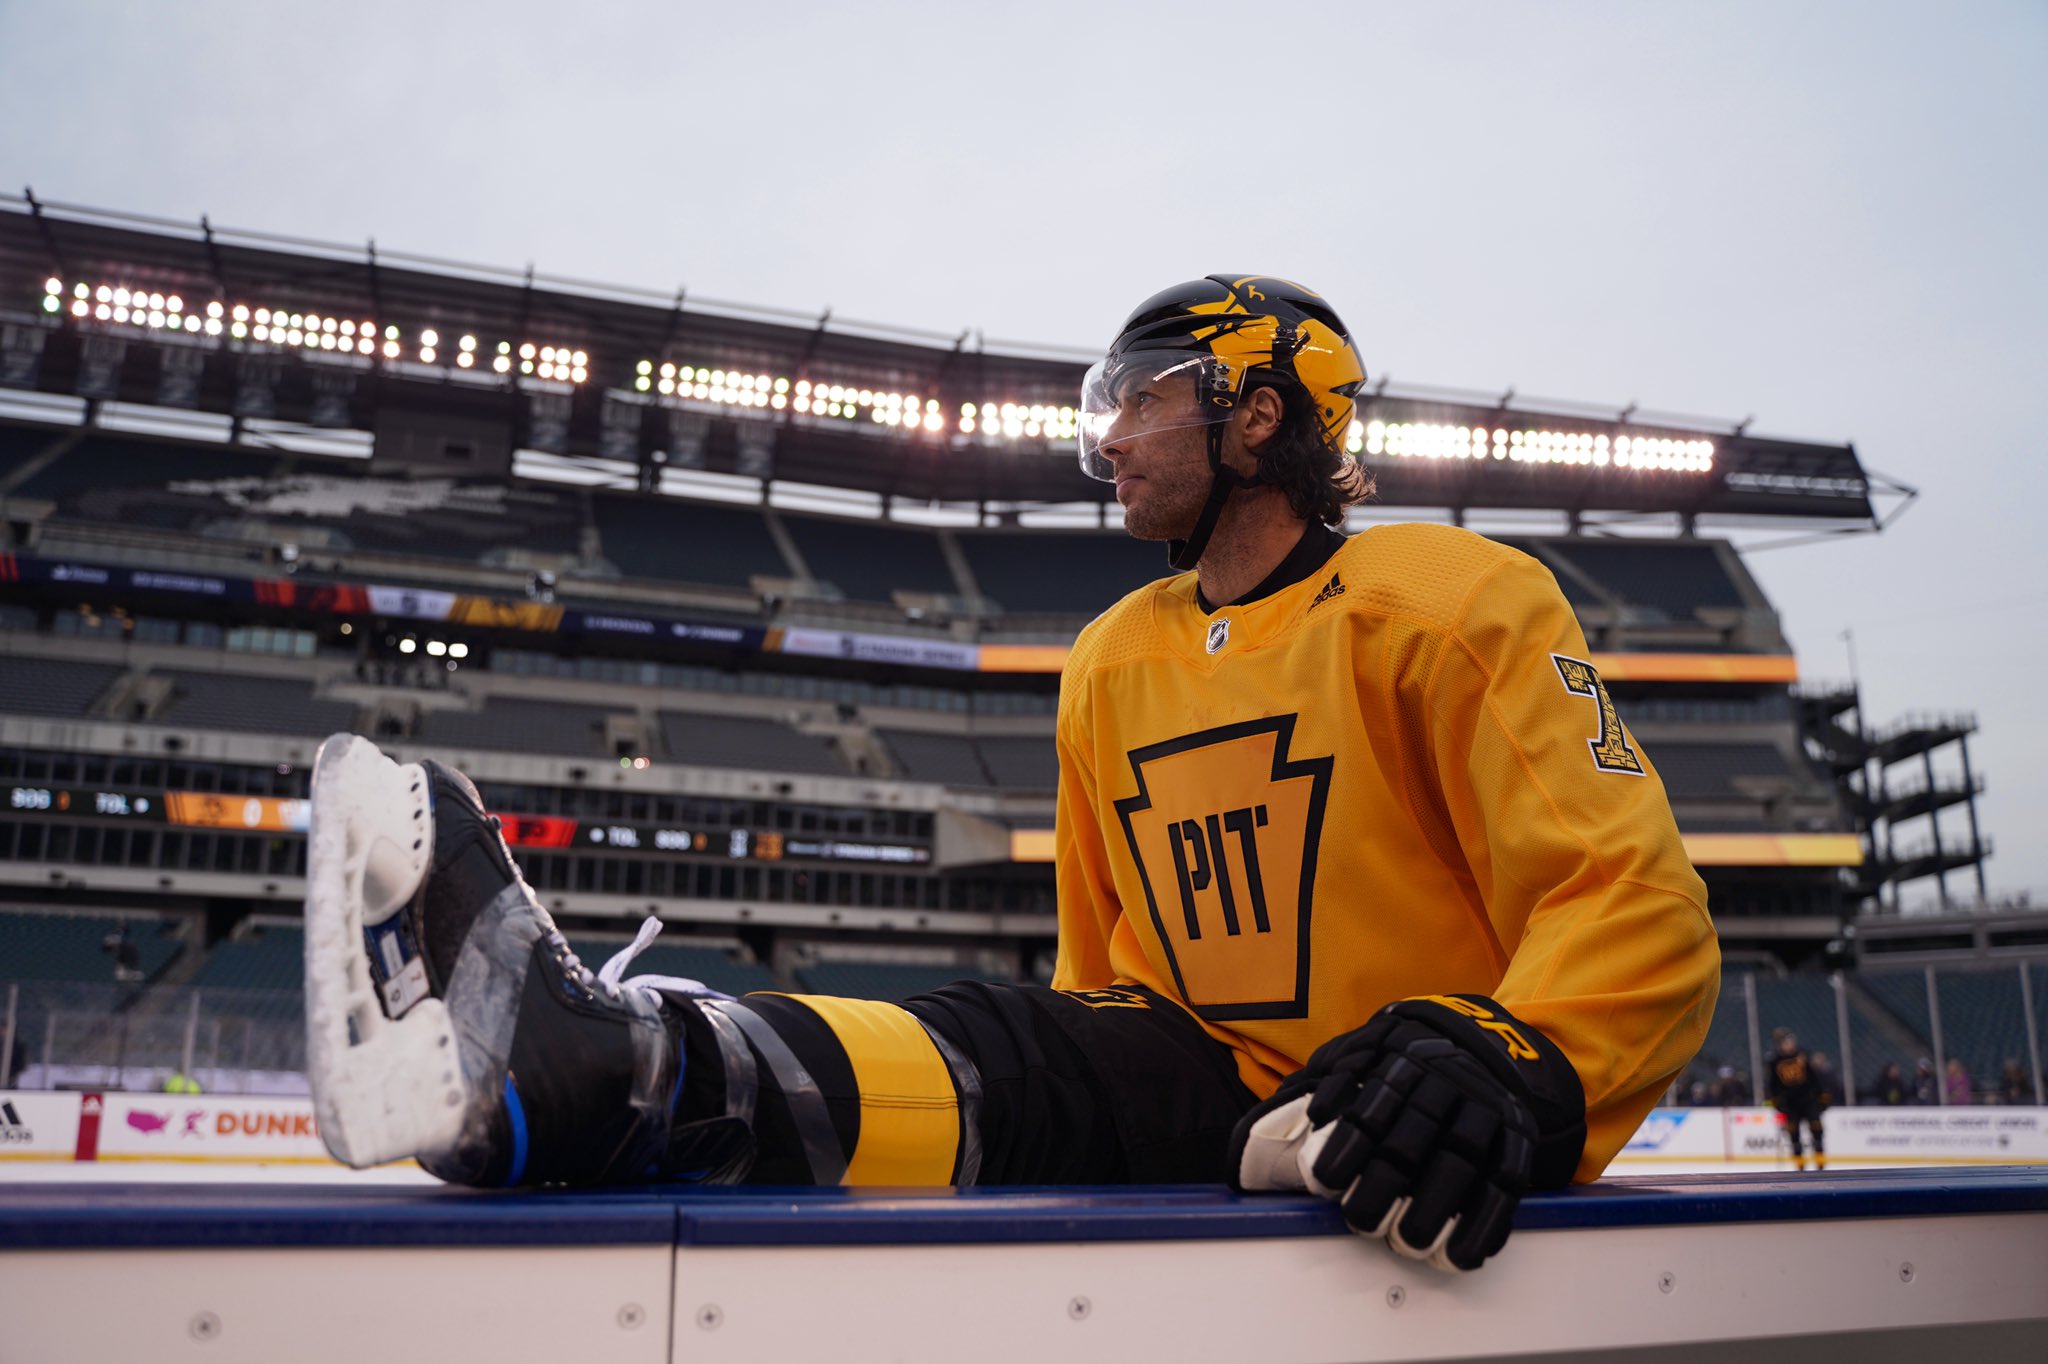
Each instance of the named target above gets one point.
<point>1848,1070</point>
<point>2033,1021</point>
<point>1940,1050</point>
<point>1934,823</point>
<point>1970,804</point>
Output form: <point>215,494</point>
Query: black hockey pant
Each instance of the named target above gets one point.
<point>1809,1118</point>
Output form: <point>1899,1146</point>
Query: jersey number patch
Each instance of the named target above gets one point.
<point>1224,831</point>
<point>1611,752</point>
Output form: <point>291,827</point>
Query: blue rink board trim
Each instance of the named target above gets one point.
<point>146,1216</point>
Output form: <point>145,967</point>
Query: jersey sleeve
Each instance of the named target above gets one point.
<point>1570,838</point>
<point>1085,890</point>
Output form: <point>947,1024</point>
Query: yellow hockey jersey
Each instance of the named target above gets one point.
<point>1400,776</point>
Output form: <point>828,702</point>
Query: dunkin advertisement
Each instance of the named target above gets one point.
<point>199,1127</point>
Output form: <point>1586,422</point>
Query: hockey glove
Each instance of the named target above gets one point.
<point>1426,1126</point>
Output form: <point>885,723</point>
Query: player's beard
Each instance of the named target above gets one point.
<point>1175,484</point>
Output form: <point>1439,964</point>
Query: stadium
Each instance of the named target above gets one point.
<point>752,623</point>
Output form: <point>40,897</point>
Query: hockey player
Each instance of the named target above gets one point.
<point>1797,1089</point>
<point>1363,887</point>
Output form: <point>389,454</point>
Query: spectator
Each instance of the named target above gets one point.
<point>1889,1088</point>
<point>2013,1085</point>
<point>1956,1082</point>
<point>1925,1090</point>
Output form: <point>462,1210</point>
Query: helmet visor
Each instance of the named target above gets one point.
<point>1133,396</point>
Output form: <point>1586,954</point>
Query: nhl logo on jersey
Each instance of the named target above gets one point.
<point>1219,633</point>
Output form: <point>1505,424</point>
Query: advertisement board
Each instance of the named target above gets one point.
<point>204,1127</point>
<point>38,1125</point>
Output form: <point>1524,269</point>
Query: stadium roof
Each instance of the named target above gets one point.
<point>114,307</point>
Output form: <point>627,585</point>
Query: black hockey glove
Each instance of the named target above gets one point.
<point>1426,1126</point>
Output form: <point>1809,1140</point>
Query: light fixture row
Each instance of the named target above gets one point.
<point>152,311</point>
<point>991,422</point>
<point>1441,441</point>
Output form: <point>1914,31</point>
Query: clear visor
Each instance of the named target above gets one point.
<point>1132,396</point>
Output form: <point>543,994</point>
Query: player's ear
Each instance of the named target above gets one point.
<point>1263,412</point>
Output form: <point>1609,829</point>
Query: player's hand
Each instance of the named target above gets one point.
<point>1426,1126</point>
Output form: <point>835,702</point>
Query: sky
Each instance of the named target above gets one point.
<point>1824,216</point>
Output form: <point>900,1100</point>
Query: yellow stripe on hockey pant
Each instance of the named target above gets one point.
<point>909,1113</point>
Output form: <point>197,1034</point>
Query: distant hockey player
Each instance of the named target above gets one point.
<point>1797,1089</point>
<point>1363,886</point>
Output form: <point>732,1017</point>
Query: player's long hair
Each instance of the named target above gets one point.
<point>1319,481</point>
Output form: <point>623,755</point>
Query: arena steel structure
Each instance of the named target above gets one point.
<point>450,371</point>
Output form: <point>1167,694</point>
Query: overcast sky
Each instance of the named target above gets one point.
<point>1829,216</point>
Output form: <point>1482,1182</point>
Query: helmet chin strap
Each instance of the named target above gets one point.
<point>1183,555</point>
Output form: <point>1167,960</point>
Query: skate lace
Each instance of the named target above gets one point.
<point>609,975</point>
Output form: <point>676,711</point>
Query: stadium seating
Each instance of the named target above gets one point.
<point>1904,996</point>
<point>264,705</point>
<point>718,969</point>
<point>1983,1021</point>
<point>870,561</point>
<point>19,444</point>
<point>1727,1042</point>
<point>52,686</point>
<point>948,759</point>
<point>117,479</point>
<point>877,980</point>
<point>1020,762</point>
<point>71,947</point>
<point>1575,591</point>
<point>266,957</point>
<point>1078,574</point>
<point>517,725</point>
<point>472,523</point>
<point>687,541</point>
<point>1806,1005</point>
<point>1709,771</point>
<point>747,742</point>
<point>1671,578</point>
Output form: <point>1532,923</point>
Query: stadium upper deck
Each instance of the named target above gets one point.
<point>459,366</point>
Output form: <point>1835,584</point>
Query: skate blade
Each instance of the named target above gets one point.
<point>383,1088</point>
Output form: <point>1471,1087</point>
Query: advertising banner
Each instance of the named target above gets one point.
<point>411,603</point>
<point>919,653</point>
<point>38,1125</point>
<point>1677,1134</point>
<point>201,1127</point>
<point>1930,1136</point>
<point>1900,1136</point>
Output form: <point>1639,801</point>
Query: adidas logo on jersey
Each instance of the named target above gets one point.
<point>1332,588</point>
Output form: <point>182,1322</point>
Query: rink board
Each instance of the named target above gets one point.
<point>1889,1265</point>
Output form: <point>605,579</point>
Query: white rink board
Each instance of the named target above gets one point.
<point>1037,1275</point>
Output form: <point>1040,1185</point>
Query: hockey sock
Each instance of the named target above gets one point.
<point>831,1091</point>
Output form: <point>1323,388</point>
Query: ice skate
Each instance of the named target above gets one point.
<point>447,1019</point>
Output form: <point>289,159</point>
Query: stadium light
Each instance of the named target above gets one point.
<point>996,422</point>
<point>562,364</point>
<point>814,400</point>
<point>1443,442</point>
<point>150,310</point>
<point>719,387</point>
